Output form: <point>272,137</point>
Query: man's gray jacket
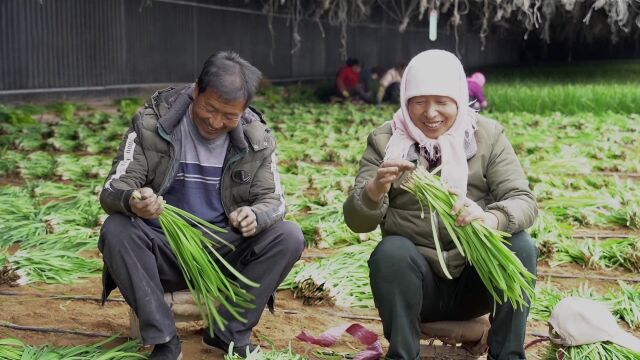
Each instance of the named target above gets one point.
<point>150,153</point>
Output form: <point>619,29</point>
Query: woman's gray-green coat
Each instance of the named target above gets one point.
<point>496,182</point>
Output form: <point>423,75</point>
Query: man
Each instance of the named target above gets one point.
<point>348,82</point>
<point>201,148</point>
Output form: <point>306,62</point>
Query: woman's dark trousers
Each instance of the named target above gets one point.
<point>407,292</point>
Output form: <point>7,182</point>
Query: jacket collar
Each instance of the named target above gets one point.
<point>172,103</point>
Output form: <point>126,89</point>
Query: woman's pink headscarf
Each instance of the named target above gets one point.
<point>436,72</point>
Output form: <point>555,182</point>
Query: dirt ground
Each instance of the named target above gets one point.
<point>280,328</point>
<point>290,318</point>
<point>31,306</point>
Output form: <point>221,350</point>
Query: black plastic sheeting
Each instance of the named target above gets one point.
<point>53,45</point>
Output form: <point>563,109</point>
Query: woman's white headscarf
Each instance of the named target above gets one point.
<point>436,72</point>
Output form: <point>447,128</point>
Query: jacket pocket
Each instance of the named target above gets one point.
<point>240,179</point>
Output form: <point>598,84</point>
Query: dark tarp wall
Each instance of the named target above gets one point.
<point>76,47</point>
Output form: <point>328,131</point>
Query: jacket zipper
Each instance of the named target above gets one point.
<point>228,163</point>
<point>170,173</point>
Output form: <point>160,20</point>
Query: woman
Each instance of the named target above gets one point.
<point>435,126</point>
<point>389,89</point>
<point>476,91</point>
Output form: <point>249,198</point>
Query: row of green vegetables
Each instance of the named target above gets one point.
<point>318,148</point>
<point>50,225</point>
<point>51,216</point>
<point>317,133</point>
<point>66,127</point>
<point>577,144</point>
<point>316,192</point>
<point>14,349</point>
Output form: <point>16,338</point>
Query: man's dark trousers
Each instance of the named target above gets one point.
<point>139,261</point>
<point>407,292</point>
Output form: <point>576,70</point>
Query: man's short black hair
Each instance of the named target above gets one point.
<point>353,62</point>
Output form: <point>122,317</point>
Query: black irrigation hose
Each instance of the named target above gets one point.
<point>56,330</point>
<point>587,276</point>
<point>61,297</point>
<point>603,236</point>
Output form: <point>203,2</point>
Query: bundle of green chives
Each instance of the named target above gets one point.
<point>342,278</point>
<point>625,303</point>
<point>30,142</point>
<point>599,254</point>
<point>499,269</point>
<point>53,266</point>
<point>38,164</point>
<point>8,276</point>
<point>595,351</point>
<point>95,144</point>
<point>14,349</point>
<point>10,161</point>
<point>623,253</point>
<point>205,279</point>
<point>582,252</point>
<point>63,144</point>
<point>547,297</point>
<point>68,167</point>
<point>259,354</point>
<point>67,237</point>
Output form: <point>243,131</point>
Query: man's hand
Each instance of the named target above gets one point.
<point>244,219</point>
<point>388,172</point>
<point>148,206</point>
<point>468,211</point>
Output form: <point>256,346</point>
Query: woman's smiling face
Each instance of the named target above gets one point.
<point>432,114</point>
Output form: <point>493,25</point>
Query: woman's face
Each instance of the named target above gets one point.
<point>432,114</point>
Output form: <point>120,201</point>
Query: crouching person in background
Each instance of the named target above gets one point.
<point>201,148</point>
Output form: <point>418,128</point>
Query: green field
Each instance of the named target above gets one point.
<point>575,129</point>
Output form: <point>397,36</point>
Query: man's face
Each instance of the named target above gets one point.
<point>433,115</point>
<point>214,116</point>
<point>356,68</point>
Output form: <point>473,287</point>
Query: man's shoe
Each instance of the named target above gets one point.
<point>219,347</point>
<point>168,351</point>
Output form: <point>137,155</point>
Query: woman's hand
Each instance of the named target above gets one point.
<point>388,172</point>
<point>468,211</point>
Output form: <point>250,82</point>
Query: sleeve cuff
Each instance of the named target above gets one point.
<point>126,195</point>
<point>503,222</point>
<point>369,203</point>
<point>261,221</point>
